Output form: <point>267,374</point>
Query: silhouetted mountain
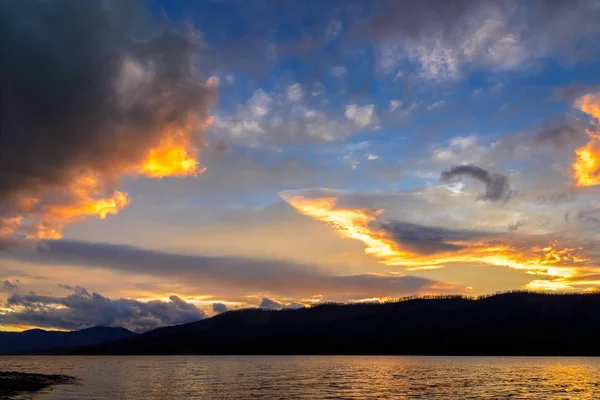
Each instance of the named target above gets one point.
<point>517,323</point>
<point>39,339</point>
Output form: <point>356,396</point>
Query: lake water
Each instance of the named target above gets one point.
<point>322,377</point>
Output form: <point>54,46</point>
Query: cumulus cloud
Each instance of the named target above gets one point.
<point>353,154</point>
<point>91,91</point>
<point>269,304</point>
<point>219,308</point>
<point>274,119</point>
<point>460,149</point>
<point>497,186</point>
<point>361,116</point>
<point>82,309</point>
<point>295,93</point>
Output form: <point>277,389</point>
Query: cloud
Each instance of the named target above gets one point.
<point>276,119</point>
<point>107,102</point>
<point>260,103</point>
<point>339,71</point>
<point>460,149</point>
<point>497,186</point>
<point>563,257</point>
<point>443,40</point>
<point>515,226</point>
<point>8,285</point>
<point>427,240</point>
<point>354,153</point>
<point>83,310</point>
<point>574,91</point>
<point>435,105</point>
<point>295,93</point>
<point>227,274</point>
<point>219,308</point>
<point>269,304</point>
<point>394,104</point>
<point>559,132</point>
<point>361,116</point>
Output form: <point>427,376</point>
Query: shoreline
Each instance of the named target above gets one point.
<point>13,383</point>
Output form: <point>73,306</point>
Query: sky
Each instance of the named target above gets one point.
<point>165,161</point>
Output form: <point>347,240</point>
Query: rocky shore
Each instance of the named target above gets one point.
<point>13,383</point>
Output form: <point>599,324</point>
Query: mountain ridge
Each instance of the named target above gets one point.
<point>37,340</point>
<point>516,323</point>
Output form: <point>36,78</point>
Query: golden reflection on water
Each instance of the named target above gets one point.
<point>307,377</point>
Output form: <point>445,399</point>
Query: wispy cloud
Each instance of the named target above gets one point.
<point>231,274</point>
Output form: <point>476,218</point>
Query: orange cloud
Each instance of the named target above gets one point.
<point>45,215</point>
<point>113,105</point>
<point>586,168</point>
<point>176,154</point>
<point>552,259</point>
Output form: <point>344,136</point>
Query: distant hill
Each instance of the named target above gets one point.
<point>517,323</point>
<point>38,339</point>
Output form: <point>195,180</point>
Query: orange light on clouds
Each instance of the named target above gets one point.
<point>175,155</point>
<point>87,195</point>
<point>586,168</point>
<point>553,259</point>
<point>83,198</point>
<point>169,160</point>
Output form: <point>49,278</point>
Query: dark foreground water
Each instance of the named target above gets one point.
<point>307,377</point>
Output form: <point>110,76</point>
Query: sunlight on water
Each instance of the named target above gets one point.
<point>307,377</point>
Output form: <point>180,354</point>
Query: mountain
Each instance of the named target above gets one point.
<point>518,323</point>
<point>38,339</point>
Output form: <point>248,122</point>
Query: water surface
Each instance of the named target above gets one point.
<point>310,377</point>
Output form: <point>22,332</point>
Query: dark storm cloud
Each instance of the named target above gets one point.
<point>219,308</point>
<point>88,86</point>
<point>82,310</point>
<point>497,186</point>
<point>426,240</point>
<point>229,273</point>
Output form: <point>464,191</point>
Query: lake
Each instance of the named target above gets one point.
<point>316,377</point>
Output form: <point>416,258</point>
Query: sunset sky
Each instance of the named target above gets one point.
<point>164,161</point>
